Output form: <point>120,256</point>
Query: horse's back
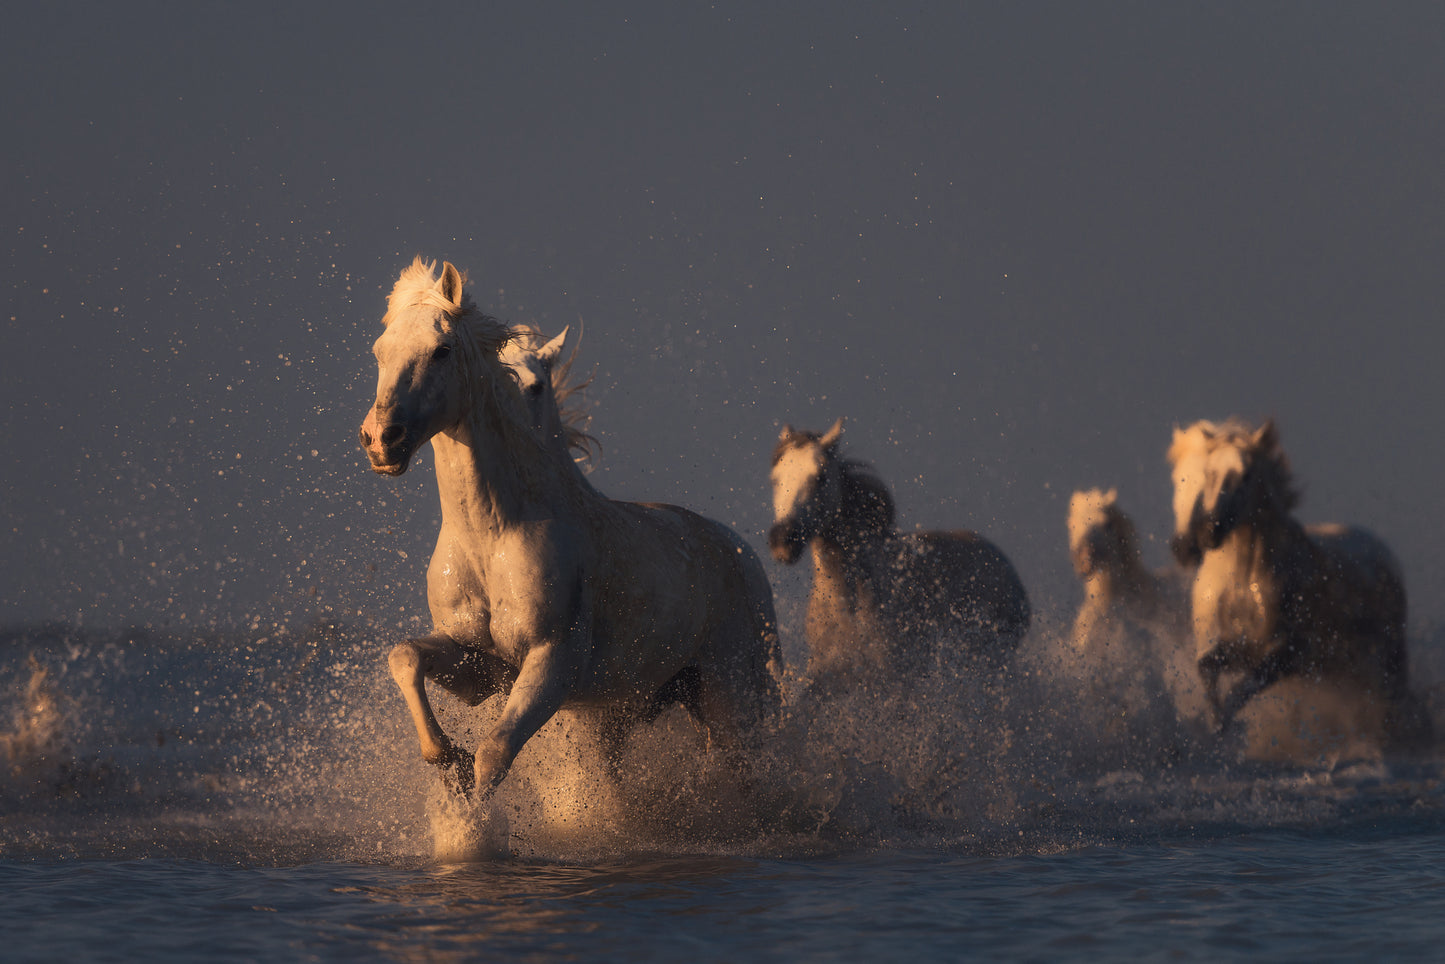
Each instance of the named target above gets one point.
<point>1360,591</point>
<point>965,576</point>
<point>738,633</point>
<point>1355,547</point>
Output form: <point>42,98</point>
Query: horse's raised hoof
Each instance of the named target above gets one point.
<point>458,775</point>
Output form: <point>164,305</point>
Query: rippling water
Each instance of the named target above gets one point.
<point>1316,895</point>
<point>175,796</point>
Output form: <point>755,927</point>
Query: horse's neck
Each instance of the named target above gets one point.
<point>1129,581</point>
<point>484,496</point>
<point>853,538</point>
<point>844,559</point>
<point>559,451</point>
<point>1268,549</point>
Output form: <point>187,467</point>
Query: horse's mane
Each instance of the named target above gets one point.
<point>1267,454</point>
<point>571,395</point>
<point>866,497</point>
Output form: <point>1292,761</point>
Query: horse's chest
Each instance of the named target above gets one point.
<point>1232,607</point>
<point>456,588</point>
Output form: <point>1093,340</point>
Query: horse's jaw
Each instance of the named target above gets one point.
<point>388,460</point>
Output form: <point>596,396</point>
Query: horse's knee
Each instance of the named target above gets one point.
<point>405,662</point>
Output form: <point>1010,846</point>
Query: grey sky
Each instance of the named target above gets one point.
<point>1013,243</point>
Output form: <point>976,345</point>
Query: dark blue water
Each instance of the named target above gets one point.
<point>185,795</point>
<point>1279,895</point>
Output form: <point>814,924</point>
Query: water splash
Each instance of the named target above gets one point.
<point>294,746</point>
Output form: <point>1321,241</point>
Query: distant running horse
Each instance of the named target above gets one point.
<point>883,599</point>
<point>540,587</point>
<point>1273,598</point>
<point>1123,599</point>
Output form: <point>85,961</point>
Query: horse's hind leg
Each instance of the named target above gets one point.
<point>462,672</point>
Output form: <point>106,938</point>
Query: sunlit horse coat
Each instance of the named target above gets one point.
<point>882,599</point>
<point>1272,598</point>
<point>540,587</point>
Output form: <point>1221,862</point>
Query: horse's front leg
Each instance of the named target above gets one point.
<point>548,675</point>
<point>462,672</point>
<point>1284,660</point>
<point>1210,665</point>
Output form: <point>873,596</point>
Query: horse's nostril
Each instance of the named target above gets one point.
<point>392,434</point>
<point>366,438</point>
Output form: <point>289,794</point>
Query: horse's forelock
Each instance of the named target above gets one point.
<point>795,439</point>
<point>417,287</point>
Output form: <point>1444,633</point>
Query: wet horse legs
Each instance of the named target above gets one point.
<point>461,671</point>
<point>1286,659</point>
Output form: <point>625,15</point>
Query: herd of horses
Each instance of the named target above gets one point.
<point>543,589</point>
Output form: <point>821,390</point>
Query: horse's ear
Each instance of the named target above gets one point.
<point>550,352</point>
<point>1111,496</point>
<point>787,434</point>
<point>830,438</point>
<point>450,284</point>
<point>1266,437</point>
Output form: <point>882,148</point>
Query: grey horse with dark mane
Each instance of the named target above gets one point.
<point>883,600</point>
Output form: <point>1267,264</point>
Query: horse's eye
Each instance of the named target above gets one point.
<point>535,388</point>
<point>442,351</point>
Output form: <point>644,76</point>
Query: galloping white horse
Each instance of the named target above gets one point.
<point>882,598</point>
<point>1273,598</point>
<point>540,587</point>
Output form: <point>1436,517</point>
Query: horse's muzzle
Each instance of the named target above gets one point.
<point>1186,550</point>
<point>785,542</point>
<point>387,448</point>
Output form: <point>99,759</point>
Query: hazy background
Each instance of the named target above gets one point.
<point>1013,243</point>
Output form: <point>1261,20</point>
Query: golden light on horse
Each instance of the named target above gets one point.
<point>881,599</point>
<point>1272,598</point>
<point>540,587</point>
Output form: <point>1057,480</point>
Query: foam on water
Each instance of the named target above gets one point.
<point>295,746</point>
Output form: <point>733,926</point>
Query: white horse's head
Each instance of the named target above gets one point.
<point>436,347</point>
<point>807,488</point>
<point>1224,475</point>
<point>554,400</point>
<point>1101,537</point>
<point>533,361</point>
